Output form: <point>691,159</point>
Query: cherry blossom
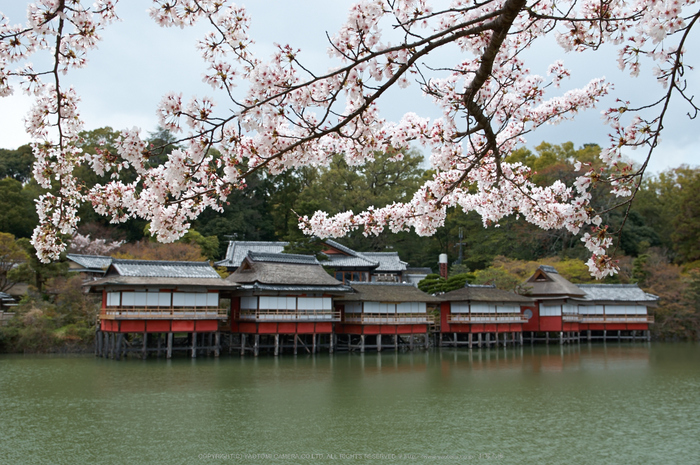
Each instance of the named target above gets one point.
<point>278,114</point>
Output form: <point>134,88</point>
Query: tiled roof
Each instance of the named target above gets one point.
<point>237,251</point>
<point>483,293</point>
<point>419,270</point>
<point>388,261</point>
<point>282,258</point>
<point>616,293</point>
<point>7,298</point>
<point>91,262</point>
<point>162,269</point>
<point>356,261</point>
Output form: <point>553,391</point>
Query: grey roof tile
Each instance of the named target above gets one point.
<point>92,262</point>
<point>616,293</point>
<point>388,261</point>
<point>295,259</point>
<point>162,269</point>
<point>237,251</point>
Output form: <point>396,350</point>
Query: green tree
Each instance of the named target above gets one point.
<point>17,164</point>
<point>686,223</point>
<point>33,271</point>
<point>11,256</point>
<point>17,212</point>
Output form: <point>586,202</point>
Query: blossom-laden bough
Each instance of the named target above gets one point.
<point>284,115</point>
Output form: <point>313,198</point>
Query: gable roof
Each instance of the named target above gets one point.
<point>388,261</point>
<point>547,282</point>
<point>347,258</point>
<point>90,263</point>
<point>388,292</point>
<point>238,250</point>
<point>283,270</point>
<point>617,293</point>
<point>484,293</point>
<point>377,261</point>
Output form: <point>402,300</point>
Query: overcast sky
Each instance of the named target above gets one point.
<point>138,62</point>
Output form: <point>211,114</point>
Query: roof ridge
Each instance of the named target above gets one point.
<point>125,261</point>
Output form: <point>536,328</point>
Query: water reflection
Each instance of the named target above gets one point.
<point>614,403</point>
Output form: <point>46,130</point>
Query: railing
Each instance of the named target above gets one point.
<point>486,318</point>
<point>617,318</point>
<point>571,317</point>
<point>389,318</point>
<point>163,313</point>
<point>288,315</point>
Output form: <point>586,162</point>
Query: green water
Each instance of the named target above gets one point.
<point>597,404</point>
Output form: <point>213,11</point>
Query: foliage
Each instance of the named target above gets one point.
<point>63,322</point>
<point>677,314</point>
<point>149,250</point>
<point>17,164</point>
<point>33,270</point>
<point>281,114</point>
<point>17,211</point>
<point>498,277</point>
<point>436,284</point>
<point>208,245</point>
<point>686,222</point>
<point>11,256</point>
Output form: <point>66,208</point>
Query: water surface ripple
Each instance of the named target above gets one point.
<point>587,404</point>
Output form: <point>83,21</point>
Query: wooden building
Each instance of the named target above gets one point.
<point>284,301</point>
<point>347,264</point>
<point>146,304</point>
<point>351,266</point>
<point>554,315</point>
<point>481,314</point>
<point>615,311</point>
<point>377,315</point>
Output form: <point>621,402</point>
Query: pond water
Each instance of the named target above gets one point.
<point>614,403</point>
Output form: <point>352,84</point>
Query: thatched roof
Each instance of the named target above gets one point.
<point>282,269</point>
<point>547,282</point>
<point>482,293</point>
<point>388,292</point>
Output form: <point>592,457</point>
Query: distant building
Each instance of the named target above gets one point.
<point>7,302</point>
<point>283,301</point>
<point>610,308</point>
<point>395,312</point>
<point>347,264</point>
<point>481,314</point>
<point>158,298</point>
<point>89,266</point>
<point>562,309</point>
<point>238,250</point>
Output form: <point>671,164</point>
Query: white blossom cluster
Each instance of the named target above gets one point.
<point>282,115</point>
